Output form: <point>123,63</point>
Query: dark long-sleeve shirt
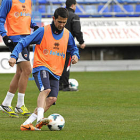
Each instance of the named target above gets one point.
<point>74,26</point>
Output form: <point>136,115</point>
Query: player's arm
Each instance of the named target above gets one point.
<point>34,25</point>
<point>34,38</point>
<point>73,49</point>
<point>4,10</point>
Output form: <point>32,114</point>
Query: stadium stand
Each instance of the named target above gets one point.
<point>94,8</point>
<point>105,11</point>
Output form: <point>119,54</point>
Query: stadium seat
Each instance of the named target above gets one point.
<point>48,1</point>
<point>62,1</point>
<point>102,1</point>
<point>129,8</point>
<point>137,11</point>
<point>42,10</point>
<point>105,12</point>
<point>80,0</point>
<point>54,0</point>
<point>79,9</point>
<point>90,9</point>
<point>118,11</point>
<point>34,1</point>
<point>127,1</point>
<point>51,9</point>
<point>121,13</point>
<point>42,1</point>
<point>137,8</point>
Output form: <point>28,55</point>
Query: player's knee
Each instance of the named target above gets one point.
<point>47,91</point>
<point>52,100</point>
<point>28,71</point>
<point>18,73</point>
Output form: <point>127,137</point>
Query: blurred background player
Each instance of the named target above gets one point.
<point>74,26</point>
<point>53,41</point>
<point>17,14</point>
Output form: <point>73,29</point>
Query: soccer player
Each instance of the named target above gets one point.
<point>52,42</point>
<point>74,26</point>
<point>17,15</point>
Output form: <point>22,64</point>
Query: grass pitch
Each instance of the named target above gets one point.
<point>106,107</point>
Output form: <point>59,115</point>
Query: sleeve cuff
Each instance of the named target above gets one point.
<point>13,56</point>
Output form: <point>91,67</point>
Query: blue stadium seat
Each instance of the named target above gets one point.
<point>79,10</point>
<point>129,8</point>
<point>54,7</point>
<point>51,9</point>
<point>42,1</point>
<point>118,11</point>
<point>62,1</point>
<point>80,0</point>
<point>52,0</point>
<point>34,1</point>
<point>103,1</point>
<point>105,11</point>
<point>128,1</point>
<point>121,13</point>
<point>48,1</point>
<point>42,9</point>
<point>137,10</point>
<point>90,9</point>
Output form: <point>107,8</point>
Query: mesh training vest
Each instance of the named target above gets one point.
<point>18,19</point>
<point>51,53</point>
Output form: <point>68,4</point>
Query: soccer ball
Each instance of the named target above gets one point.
<point>73,83</point>
<point>56,123</point>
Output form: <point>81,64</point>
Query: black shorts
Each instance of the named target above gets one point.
<point>24,55</point>
<point>44,80</point>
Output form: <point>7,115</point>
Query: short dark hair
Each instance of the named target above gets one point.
<point>69,3</point>
<point>62,12</point>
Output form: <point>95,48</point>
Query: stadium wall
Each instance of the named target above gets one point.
<point>90,65</point>
<point>105,39</point>
<point>107,31</point>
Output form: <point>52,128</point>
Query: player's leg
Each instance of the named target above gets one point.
<point>24,65</point>
<point>14,83</point>
<point>64,79</point>
<point>6,104</point>
<point>52,97</point>
<point>43,83</point>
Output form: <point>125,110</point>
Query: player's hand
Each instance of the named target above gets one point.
<point>12,62</point>
<point>35,28</point>
<point>82,46</point>
<point>9,43</point>
<point>74,59</point>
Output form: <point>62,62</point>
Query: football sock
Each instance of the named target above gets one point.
<point>31,119</point>
<point>8,99</point>
<point>40,113</point>
<point>20,100</point>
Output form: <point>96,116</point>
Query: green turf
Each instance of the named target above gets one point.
<point>106,107</point>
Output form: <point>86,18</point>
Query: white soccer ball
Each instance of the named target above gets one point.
<point>73,83</point>
<point>56,123</point>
